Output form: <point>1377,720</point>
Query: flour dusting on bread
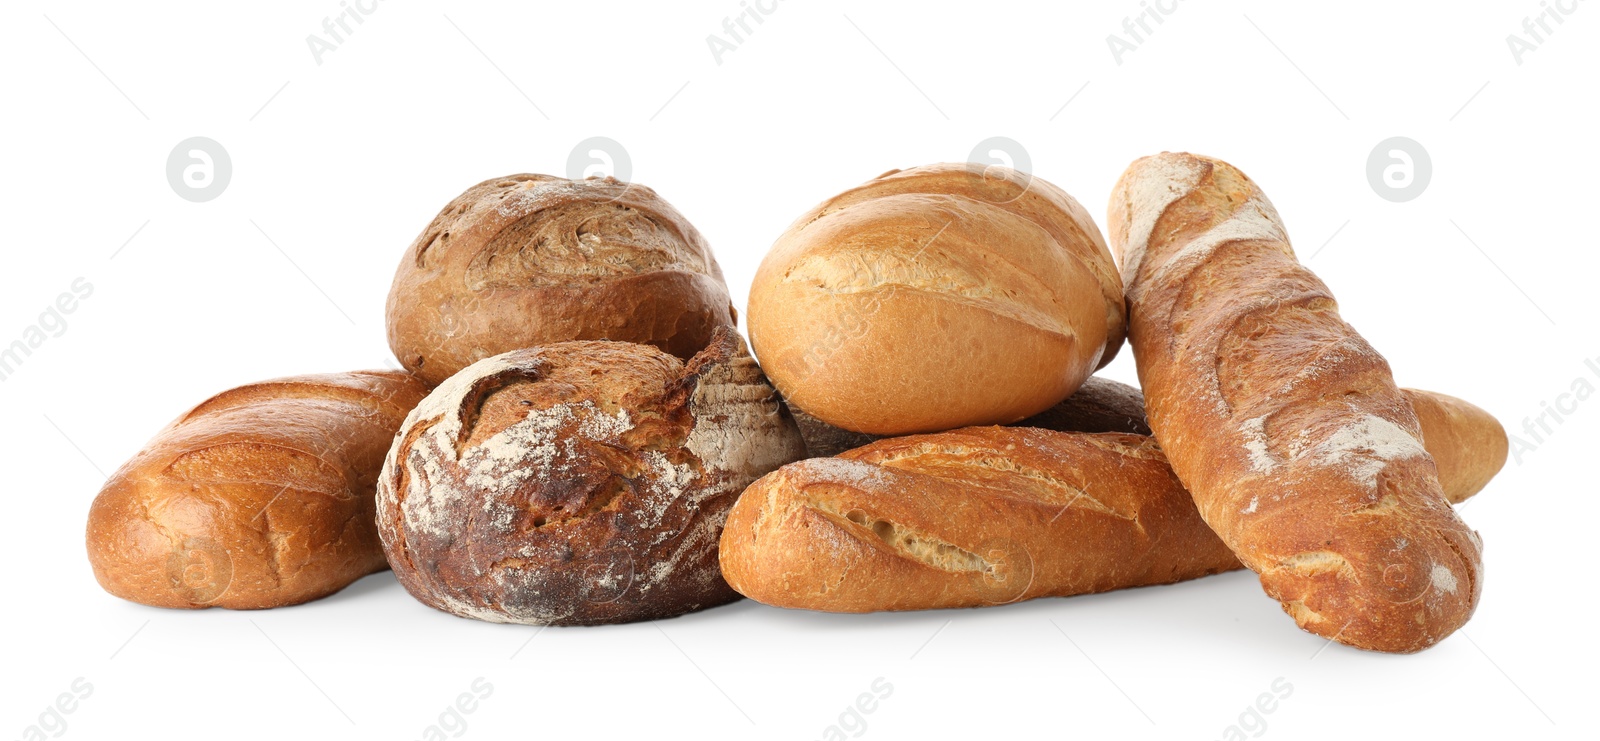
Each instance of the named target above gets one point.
<point>846,472</point>
<point>529,196</point>
<point>1255,443</point>
<point>1365,446</point>
<point>1255,219</point>
<point>1279,417</point>
<point>444,404</point>
<point>1443,579</point>
<point>740,427</point>
<point>1162,181</point>
<point>581,482</point>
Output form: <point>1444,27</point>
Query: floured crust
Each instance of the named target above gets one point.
<point>934,298</point>
<point>527,260</point>
<point>579,482</point>
<point>971,517</point>
<point>261,496</point>
<point>1280,419</point>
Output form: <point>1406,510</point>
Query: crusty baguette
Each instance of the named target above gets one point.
<point>780,560</point>
<point>971,517</point>
<point>1466,442</point>
<point>262,496</point>
<point>1284,424</point>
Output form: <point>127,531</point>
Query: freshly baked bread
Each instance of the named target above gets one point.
<point>804,536</point>
<point>1099,405</point>
<point>260,497</point>
<point>977,516</point>
<point>528,260</point>
<point>1284,424</point>
<point>824,440</point>
<point>934,298</point>
<point>579,483</point>
<point>1467,443</point>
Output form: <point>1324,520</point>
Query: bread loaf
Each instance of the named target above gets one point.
<point>1099,405</point>
<point>527,260</point>
<point>934,298</point>
<point>824,440</point>
<point>1283,423</point>
<point>786,544</point>
<point>977,516</point>
<point>260,497</point>
<point>579,483</point>
<point>1466,442</point>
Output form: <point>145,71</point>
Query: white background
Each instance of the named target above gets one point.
<point>1483,287</point>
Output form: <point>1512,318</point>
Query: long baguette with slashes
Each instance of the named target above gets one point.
<point>967,518</point>
<point>1284,424</point>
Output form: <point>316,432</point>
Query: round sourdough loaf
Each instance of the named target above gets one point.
<point>579,483</point>
<point>934,298</point>
<point>528,260</point>
<point>259,497</point>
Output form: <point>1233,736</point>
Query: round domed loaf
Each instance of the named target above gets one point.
<point>529,260</point>
<point>262,496</point>
<point>579,483</point>
<point>935,298</point>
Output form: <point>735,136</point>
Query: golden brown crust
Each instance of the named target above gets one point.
<point>579,482</point>
<point>1466,442</point>
<point>934,298</point>
<point>526,260</point>
<point>1280,419</point>
<point>971,517</point>
<point>261,496</point>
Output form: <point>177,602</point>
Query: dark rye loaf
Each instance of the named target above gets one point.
<point>579,483</point>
